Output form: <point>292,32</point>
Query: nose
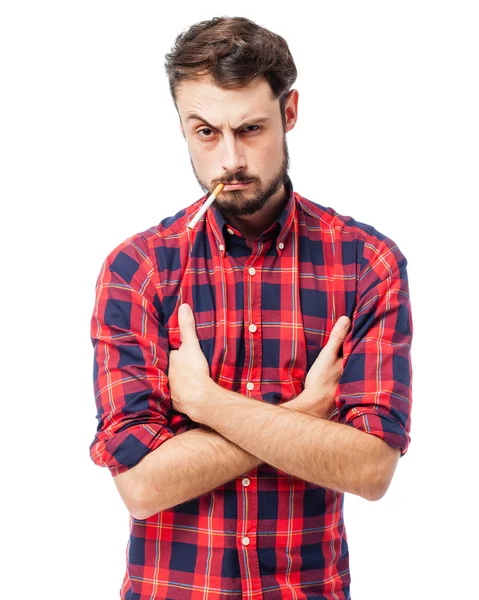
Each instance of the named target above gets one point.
<point>232,158</point>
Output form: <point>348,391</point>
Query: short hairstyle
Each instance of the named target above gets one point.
<point>232,51</point>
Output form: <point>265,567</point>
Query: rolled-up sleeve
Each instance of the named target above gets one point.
<point>375,388</point>
<point>130,361</point>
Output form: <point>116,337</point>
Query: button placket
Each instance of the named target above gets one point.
<point>252,315</point>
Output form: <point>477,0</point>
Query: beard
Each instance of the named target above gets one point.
<point>237,203</point>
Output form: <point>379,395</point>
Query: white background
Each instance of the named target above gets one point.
<point>91,153</point>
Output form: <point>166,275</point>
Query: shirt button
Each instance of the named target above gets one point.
<point>245,541</point>
<point>250,386</point>
<point>230,231</point>
<point>246,482</point>
<point>251,270</point>
<point>252,328</point>
<point>222,247</point>
<point>281,245</point>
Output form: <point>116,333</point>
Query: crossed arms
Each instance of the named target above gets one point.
<point>248,432</point>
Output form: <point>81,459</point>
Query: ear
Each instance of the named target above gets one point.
<point>291,109</point>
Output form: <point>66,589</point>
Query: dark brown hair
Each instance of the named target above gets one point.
<point>232,51</point>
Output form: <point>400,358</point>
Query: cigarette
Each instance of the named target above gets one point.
<point>206,205</point>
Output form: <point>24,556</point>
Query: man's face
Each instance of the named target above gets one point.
<point>236,136</point>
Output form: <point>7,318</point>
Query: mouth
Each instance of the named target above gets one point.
<point>236,186</point>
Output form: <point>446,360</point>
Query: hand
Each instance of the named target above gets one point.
<point>189,372</point>
<point>321,383</point>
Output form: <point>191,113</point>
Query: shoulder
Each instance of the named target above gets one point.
<point>359,241</point>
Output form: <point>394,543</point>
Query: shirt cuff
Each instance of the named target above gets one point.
<point>126,448</point>
<point>382,426</point>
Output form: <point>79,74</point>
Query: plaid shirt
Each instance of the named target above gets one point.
<point>305,271</point>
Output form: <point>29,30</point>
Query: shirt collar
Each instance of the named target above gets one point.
<point>279,229</point>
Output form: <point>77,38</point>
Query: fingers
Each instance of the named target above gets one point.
<point>186,321</point>
<point>337,337</point>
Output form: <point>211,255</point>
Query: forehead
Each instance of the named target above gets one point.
<point>210,100</point>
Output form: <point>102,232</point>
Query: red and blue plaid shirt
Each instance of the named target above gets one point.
<point>306,270</point>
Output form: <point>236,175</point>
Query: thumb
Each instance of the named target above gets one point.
<point>338,334</point>
<point>186,321</point>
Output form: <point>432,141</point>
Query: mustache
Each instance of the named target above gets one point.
<point>239,178</point>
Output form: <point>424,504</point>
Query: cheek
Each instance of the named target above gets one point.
<point>202,158</point>
<point>272,149</point>
<point>271,158</point>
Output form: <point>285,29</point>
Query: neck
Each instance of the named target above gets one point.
<point>252,226</point>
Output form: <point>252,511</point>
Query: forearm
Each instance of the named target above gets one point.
<point>323,452</point>
<point>190,465</point>
<point>184,467</point>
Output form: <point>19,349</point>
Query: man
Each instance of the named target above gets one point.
<point>222,340</point>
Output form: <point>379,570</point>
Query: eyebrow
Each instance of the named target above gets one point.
<point>257,121</point>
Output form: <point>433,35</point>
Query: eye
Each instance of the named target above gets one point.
<point>252,128</point>
<point>206,131</point>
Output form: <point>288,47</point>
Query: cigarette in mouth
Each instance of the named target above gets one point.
<point>206,205</point>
